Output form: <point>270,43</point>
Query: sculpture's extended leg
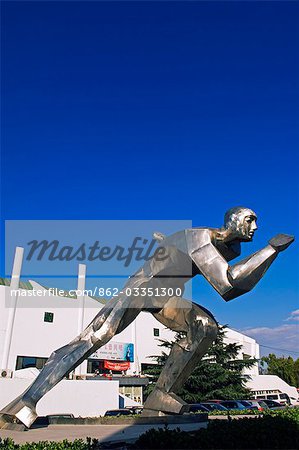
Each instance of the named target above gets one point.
<point>201,330</point>
<point>112,319</point>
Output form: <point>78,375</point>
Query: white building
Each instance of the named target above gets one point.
<point>270,386</point>
<point>45,323</point>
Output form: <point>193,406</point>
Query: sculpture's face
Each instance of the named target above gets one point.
<point>248,228</point>
<point>242,222</point>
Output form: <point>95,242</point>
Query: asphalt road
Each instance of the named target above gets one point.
<point>103,433</point>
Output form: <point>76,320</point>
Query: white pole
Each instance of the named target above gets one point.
<point>81,302</point>
<point>134,340</point>
<point>13,294</point>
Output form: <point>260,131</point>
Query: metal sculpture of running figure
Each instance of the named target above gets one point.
<point>191,252</point>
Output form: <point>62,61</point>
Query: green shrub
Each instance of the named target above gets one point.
<point>285,412</point>
<point>272,431</point>
<point>78,444</point>
<point>236,412</point>
<point>290,413</point>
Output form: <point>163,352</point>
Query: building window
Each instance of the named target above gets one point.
<point>156,332</point>
<point>133,392</point>
<point>96,366</point>
<point>23,362</point>
<point>146,367</point>
<point>48,317</point>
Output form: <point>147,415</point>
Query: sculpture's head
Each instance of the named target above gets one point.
<point>241,222</point>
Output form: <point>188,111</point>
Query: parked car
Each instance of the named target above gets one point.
<point>214,401</point>
<point>280,397</point>
<point>197,408</point>
<point>294,401</point>
<point>235,404</point>
<point>213,406</point>
<point>41,421</point>
<point>272,404</point>
<point>51,418</point>
<point>246,403</point>
<point>259,405</point>
<point>118,412</point>
<point>60,416</point>
<point>135,409</point>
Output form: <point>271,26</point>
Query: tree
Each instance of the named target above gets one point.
<point>219,375</point>
<point>285,368</point>
<point>296,366</point>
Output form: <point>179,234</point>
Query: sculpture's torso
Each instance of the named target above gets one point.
<point>177,267</point>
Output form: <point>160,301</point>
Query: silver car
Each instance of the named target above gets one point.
<point>258,405</point>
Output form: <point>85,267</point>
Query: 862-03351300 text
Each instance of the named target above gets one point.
<point>100,292</point>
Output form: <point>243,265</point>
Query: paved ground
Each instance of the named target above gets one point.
<point>101,432</point>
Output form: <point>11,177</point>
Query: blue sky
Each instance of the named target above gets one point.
<point>159,110</point>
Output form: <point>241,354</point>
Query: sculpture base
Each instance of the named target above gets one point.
<point>160,402</point>
<point>152,413</point>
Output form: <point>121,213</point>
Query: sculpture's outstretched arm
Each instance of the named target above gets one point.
<point>232,281</point>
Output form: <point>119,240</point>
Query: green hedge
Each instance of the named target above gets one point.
<point>286,412</point>
<point>274,430</point>
<point>78,444</point>
<point>236,412</point>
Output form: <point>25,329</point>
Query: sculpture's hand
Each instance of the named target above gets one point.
<point>281,241</point>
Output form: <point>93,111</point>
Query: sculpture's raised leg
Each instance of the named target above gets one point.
<point>112,319</point>
<point>60,363</point>
<point>201,330</point>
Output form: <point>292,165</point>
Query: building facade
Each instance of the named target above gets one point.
<point>45,323</point>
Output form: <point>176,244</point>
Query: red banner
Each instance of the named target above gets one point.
<point>119,366</point>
